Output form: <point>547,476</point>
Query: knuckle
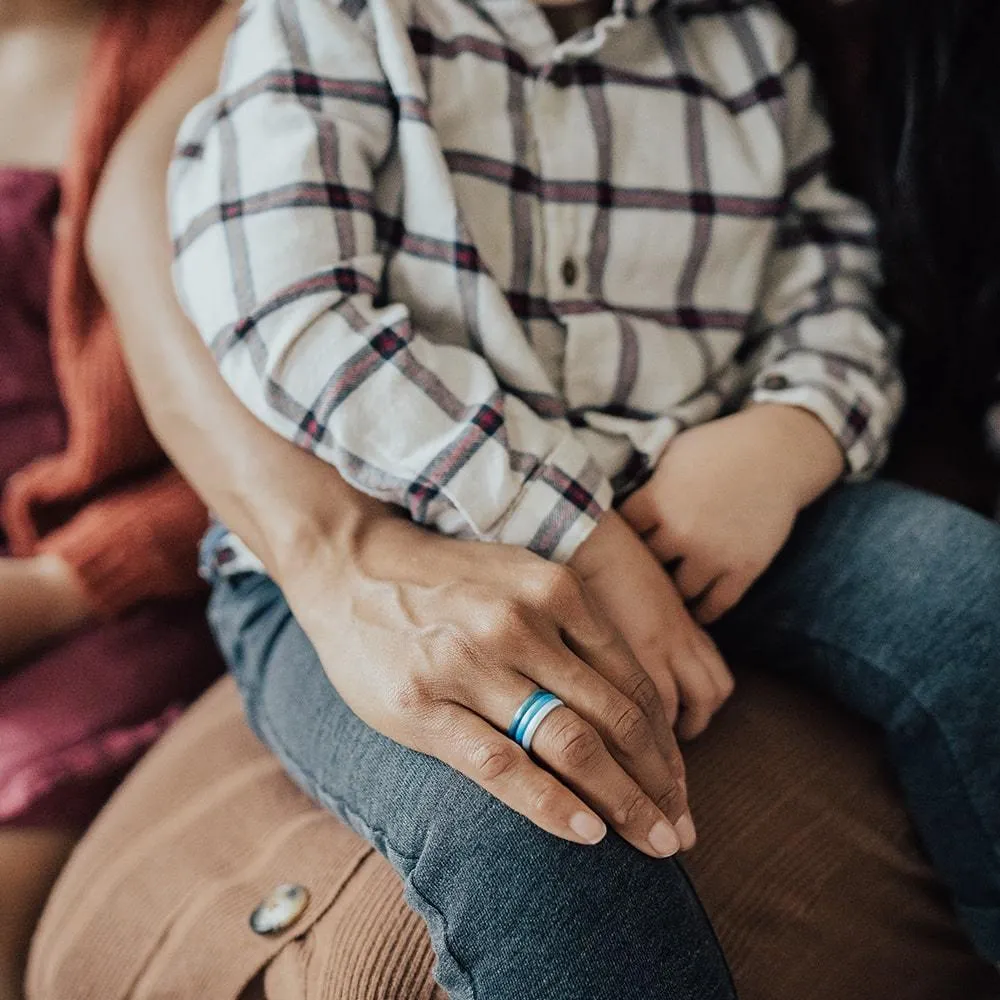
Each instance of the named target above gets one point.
<point>633,808</point>
<point>702,695</point>
<point>410,698</point>
<point>447,643</point>
<point>492,760</point>
<point>556,585</point>
<point>671,802</point>
<point>632,731</point>
<point>505,620</point>
<point>641,690</point>
<point>684,527</point>
<point>577,745</point>
<point>547,802</point>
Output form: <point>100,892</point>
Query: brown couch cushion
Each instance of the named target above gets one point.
<point>807,866</point>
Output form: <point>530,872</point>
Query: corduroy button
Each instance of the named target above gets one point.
<point>775,383</point>
<point>280,910</point>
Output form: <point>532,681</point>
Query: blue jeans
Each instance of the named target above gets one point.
<point>887,598</point>
<point>513,913</point>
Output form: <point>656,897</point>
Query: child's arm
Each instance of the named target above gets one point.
<point>822,343</point>
<point>825,391</point>
<point>279,265</point>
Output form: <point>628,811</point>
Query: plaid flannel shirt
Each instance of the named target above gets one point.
<point>489,276</point>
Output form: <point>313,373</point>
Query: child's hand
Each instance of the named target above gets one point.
<point>639,598</point>
<point>724,497</point>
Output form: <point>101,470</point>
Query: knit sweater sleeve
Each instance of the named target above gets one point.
<point>134,544</point>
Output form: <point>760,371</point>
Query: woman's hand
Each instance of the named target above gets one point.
<point>436,643</point>
<point>40,600</point>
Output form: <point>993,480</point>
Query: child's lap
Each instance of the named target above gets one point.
<point>880,581</point>
<point>889,600</point>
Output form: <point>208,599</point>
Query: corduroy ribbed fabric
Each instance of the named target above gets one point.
<point>135,532</point>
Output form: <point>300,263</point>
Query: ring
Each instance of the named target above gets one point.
<point>532,713</point>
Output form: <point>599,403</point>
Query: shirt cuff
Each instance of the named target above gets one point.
<point>559,505</point>
<point>848,419</point>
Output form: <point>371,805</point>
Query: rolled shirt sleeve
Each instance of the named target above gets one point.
<point>821,342</point>
<point>278,263</point>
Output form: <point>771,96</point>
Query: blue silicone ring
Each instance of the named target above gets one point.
<point>526,707</point>
<point>527,712</point>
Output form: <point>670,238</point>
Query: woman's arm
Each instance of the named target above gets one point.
<point>431,641</point>
<point>219,446</point>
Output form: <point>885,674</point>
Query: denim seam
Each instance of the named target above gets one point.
<point>840,651</point>
<point>352,815</point>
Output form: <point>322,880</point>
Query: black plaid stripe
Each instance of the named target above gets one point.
<point>335,197</point>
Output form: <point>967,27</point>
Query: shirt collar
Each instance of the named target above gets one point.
<point>629,10</point>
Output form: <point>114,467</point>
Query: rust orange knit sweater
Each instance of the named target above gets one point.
<point>134,524</point>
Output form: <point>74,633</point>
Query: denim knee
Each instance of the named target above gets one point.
<point>512,910</point>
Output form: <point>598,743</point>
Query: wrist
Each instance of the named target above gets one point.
<point>326,546</point>
<point>605,536</point>
<point>810,458</point>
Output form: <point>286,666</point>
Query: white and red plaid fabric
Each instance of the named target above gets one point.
<point>489,276</point>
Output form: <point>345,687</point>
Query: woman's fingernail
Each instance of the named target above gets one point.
<point>589,827</point>
<point>686,832</point>
<point>663,840</point>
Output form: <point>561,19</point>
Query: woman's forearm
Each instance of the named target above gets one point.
<point>280,500</point>
<point>442,628</point>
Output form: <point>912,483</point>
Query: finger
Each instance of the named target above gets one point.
<point>725,594</point>
<point>625,710</point>
<point>702,680</point>
<point>699,702</point>
<point>574,750</point>
<point>624,728</point>
<point>589,631</point>
<point>630,676</point>
<point>499,766</point>
<point>643,676</point>
<point>640,510</point>
<point>587,620</point>
<point>694,578</point>
<point>716,666</point>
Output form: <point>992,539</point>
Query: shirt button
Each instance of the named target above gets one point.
<point>278,911</point>
<point>570,272</point>
<point>775,383</point>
